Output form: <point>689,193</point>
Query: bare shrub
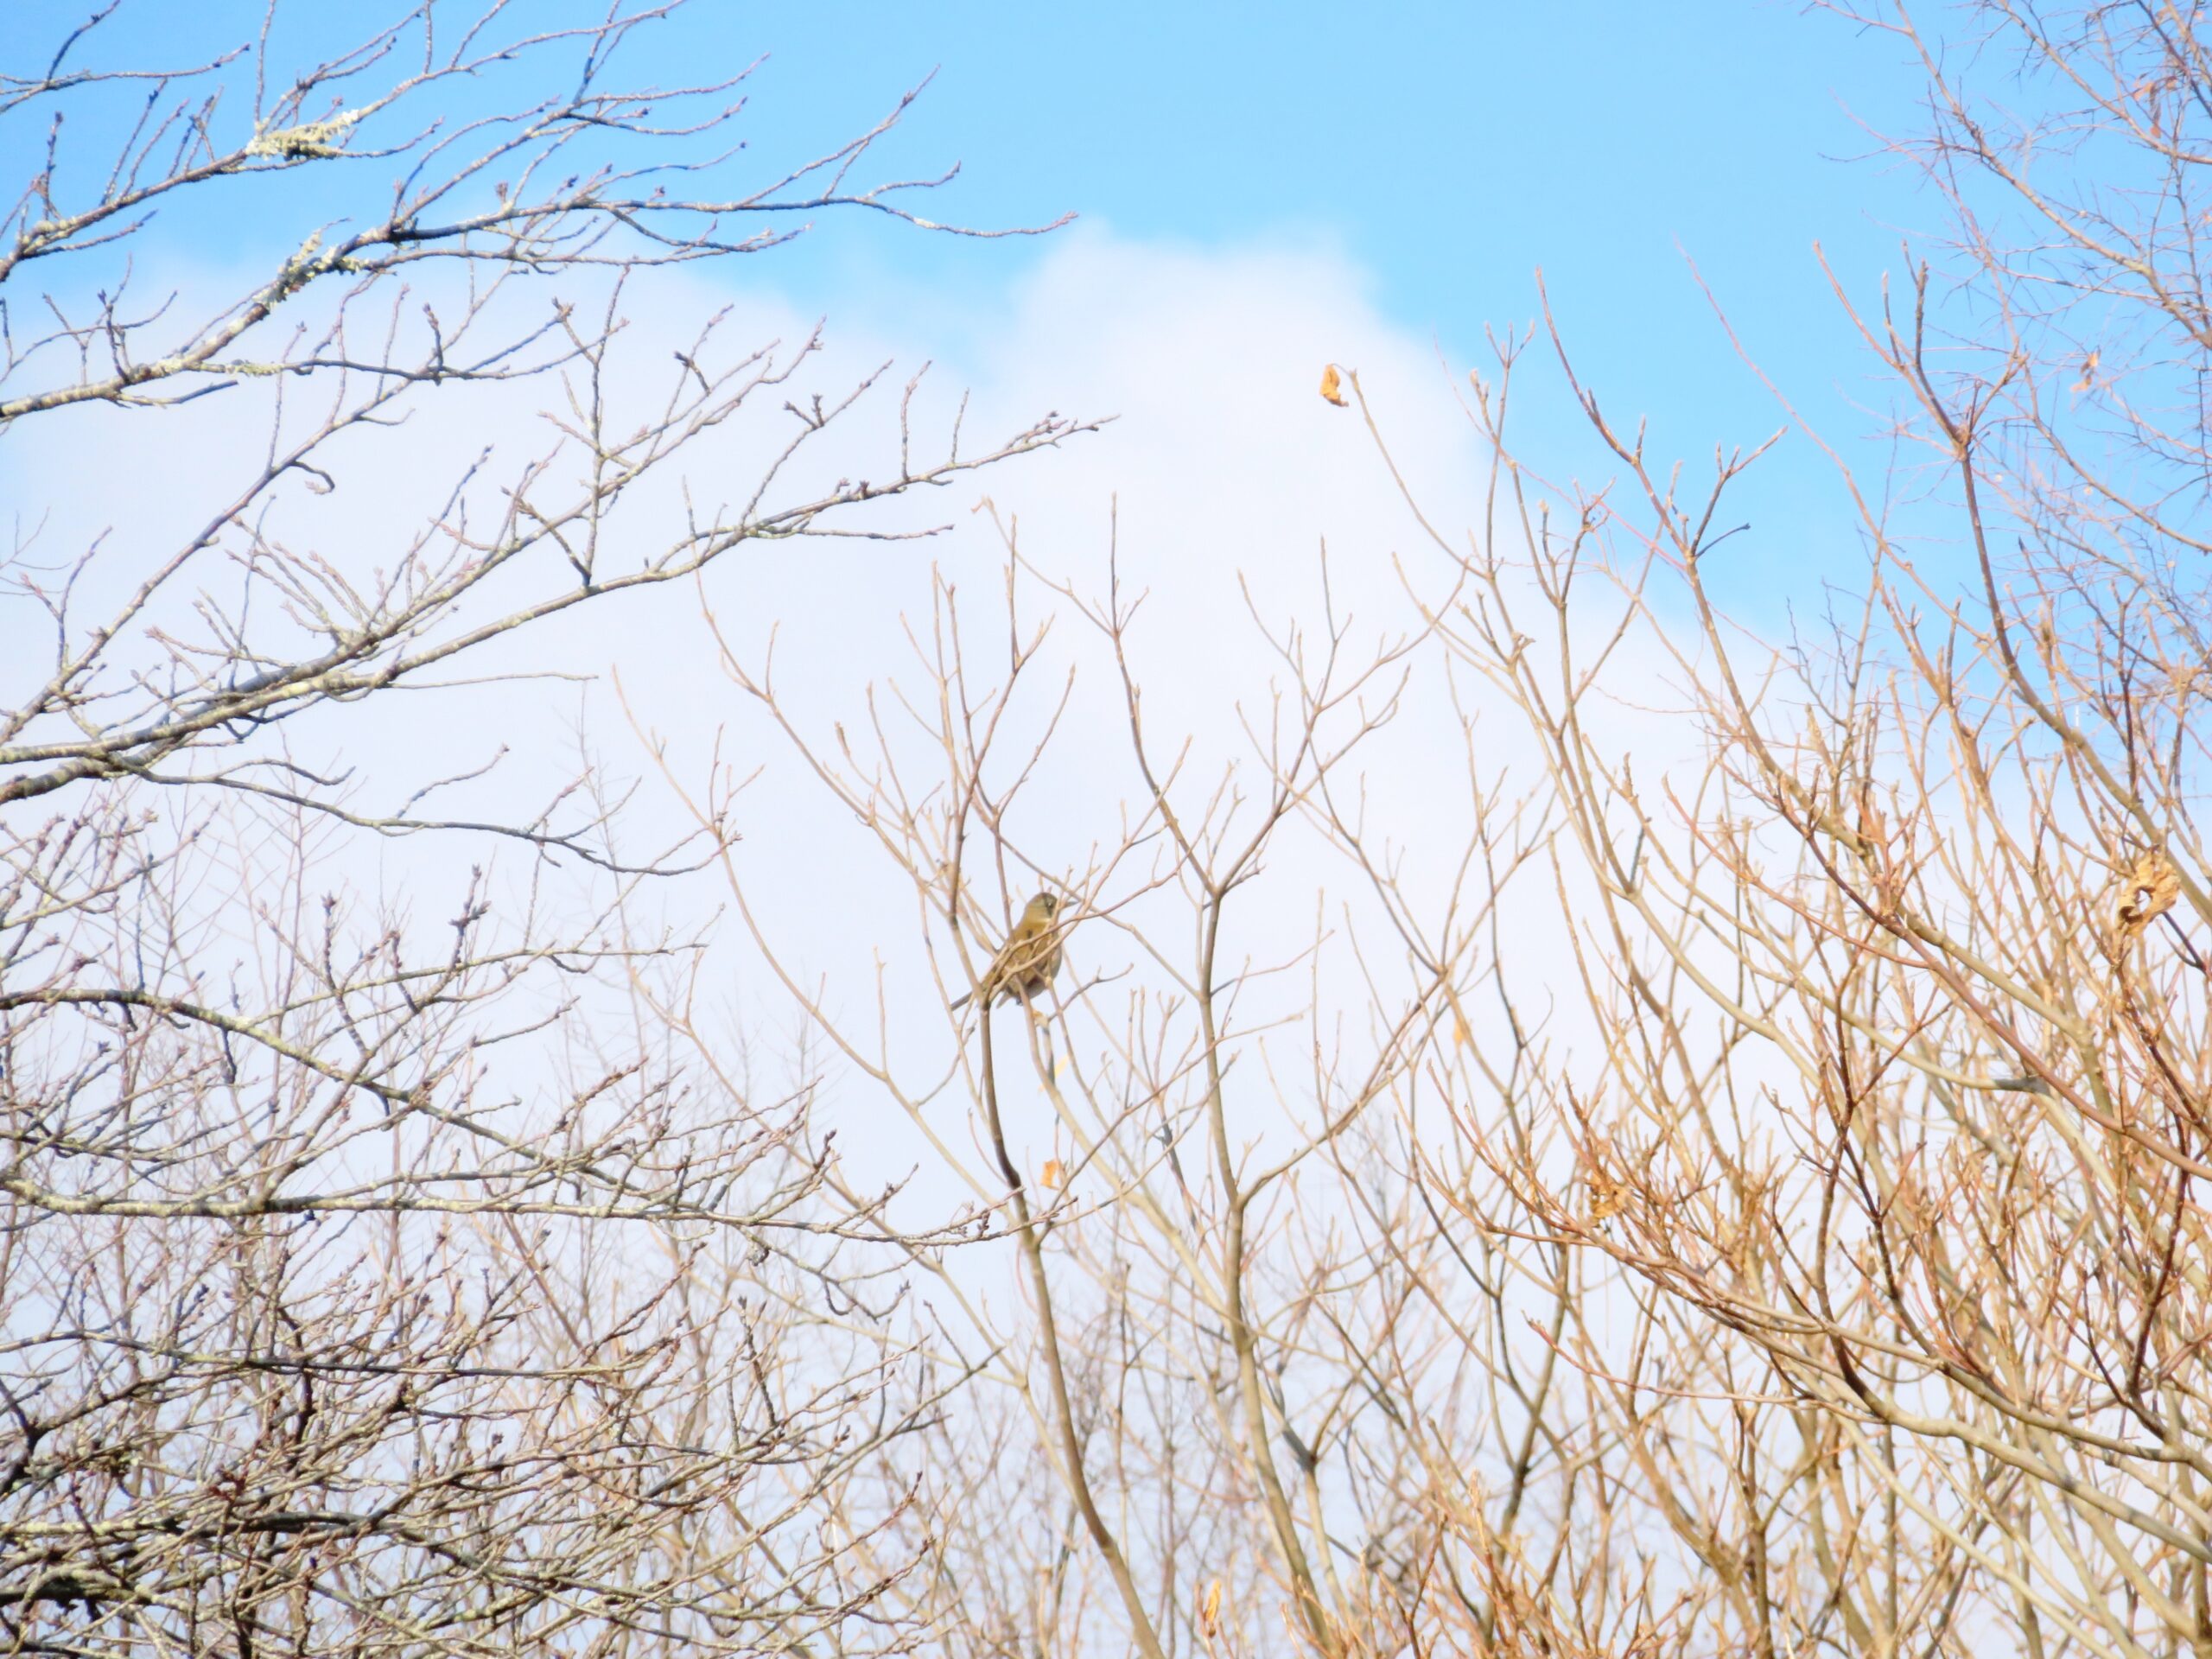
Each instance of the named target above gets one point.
<point>376,1278</point>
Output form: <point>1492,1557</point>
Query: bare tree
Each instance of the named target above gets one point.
<point>1270,1380</point>
<point>1823,1269</point>
<point>1735,1197</point>
<point>1898,1116</point>
<point>380,1276</point>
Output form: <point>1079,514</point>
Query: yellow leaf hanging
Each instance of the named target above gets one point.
<point>1331,385</point>
<point>1210,1611</point>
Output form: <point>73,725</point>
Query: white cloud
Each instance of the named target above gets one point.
<point>1229,470</point>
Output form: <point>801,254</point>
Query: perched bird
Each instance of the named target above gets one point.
<point>1030,957</point>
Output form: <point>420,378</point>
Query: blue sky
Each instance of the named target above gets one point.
<point>1447,149</point>
<point>1441,153</point>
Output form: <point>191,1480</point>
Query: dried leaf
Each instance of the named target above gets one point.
<point>1460,1035</point>
<point>2147,894</point>
<point>1053,1174</point>
<point>1331,385</point>
<point>1210,1611</point>
<point>1607,1197</point>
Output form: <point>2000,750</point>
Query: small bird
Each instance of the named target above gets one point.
<point>1028,960</point>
